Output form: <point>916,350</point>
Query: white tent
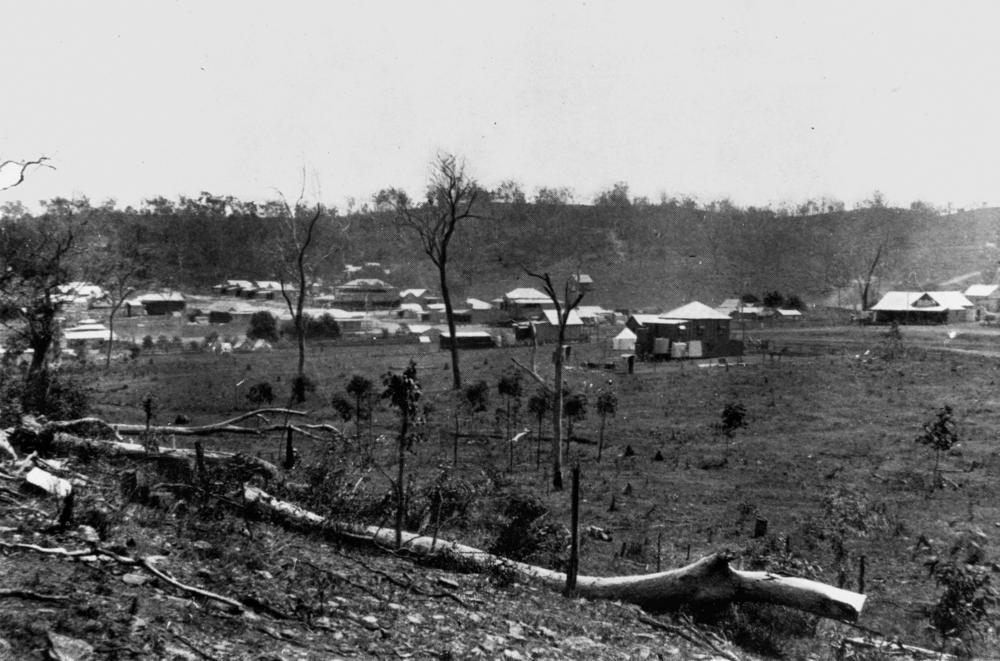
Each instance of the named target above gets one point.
<point>624,341</point>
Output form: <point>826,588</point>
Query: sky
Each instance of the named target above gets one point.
<point>764,103</point>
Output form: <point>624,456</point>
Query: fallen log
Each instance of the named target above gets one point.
<point>88,426</point>
<point>708,580</point>
<point>63,442</point>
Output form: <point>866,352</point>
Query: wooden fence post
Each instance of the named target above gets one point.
<point>574,548</point>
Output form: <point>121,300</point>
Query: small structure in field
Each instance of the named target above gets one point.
<point>155,303</point>
<point>525,303</point>
<point>547,330</point>
<point>985,298</point>
<point>624,341</point>
<point>790,314</point>
<point>693,330</point>
<point>923,307</point>
<point>468,340</point>
<point>88,332</point>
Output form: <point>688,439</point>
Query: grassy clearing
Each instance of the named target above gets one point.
<point>827,457</point>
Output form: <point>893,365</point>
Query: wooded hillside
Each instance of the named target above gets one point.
<point>639,254</point>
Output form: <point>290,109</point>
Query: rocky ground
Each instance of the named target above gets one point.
<point>192,578</point>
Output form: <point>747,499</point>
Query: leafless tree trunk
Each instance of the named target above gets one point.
<point>570,301</point>
<point>452,198</point>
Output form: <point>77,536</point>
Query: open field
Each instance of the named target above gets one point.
<point>829,436</point>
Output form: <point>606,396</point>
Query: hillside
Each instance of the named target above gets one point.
<point>640,255</point>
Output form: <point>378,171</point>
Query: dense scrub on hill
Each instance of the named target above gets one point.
<point>639,254</point>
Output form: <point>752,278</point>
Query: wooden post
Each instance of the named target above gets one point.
<point>574,548</point>
<point>759,528</point>
<point>861,574</point>
<point>659,540</point>
<point>199,461</point>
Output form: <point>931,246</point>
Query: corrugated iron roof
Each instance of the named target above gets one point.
<point>922,301</point>
<point>572,319</point>
<point>694,310</point>
<point>981,291</point>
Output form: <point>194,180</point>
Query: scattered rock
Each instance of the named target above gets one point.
<point>598,533</point>
<point>370,622</point>
<point>136,579</point>
<point>64,648</point>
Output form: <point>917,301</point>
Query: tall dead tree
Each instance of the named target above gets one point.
<point>570,300</point>
<point>298,261</point>
<point>452,198</point>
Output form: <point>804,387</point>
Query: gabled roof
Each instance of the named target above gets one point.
<point>694,310</point>
<point>269,285</point>
<point>573,319</point>
<point>922,301</point>
<point>412,292</point>
<point>242,284</point>
<point>626,334</point>
<point>527,295</point>
<point>782,312</point>
<point>981,291</point>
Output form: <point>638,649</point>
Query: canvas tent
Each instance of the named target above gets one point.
<point>624,341</point>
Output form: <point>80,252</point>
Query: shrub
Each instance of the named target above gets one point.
<point>528,536</point>
<point>263,326</point>
<point>733,417</point>
<point>52,395</point>
<point>939,434</point>
<point>963,608</point>
<point>260,394</point>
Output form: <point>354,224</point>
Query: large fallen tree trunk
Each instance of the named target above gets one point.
<point>62,442</point>
<point>104,429</point>
<point>706,581</point>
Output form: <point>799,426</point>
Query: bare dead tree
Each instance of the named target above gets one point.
<point>570,300</point>
<point>453,197</point>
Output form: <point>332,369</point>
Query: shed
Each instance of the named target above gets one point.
<point>784,314</point>
<point>985,298</point>
<point>468,340</point>
<point>162,303</point>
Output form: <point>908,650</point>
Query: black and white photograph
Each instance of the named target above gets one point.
<point>572,329</point>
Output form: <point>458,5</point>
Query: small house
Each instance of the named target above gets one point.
<point>693,330</point>
<point>923,307</point>
<point>547,330</point>
<point>366,294</point>
<point>525,303</point>
<point>161,303</point>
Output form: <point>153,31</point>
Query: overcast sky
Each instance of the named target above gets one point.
<point>761,102</point>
